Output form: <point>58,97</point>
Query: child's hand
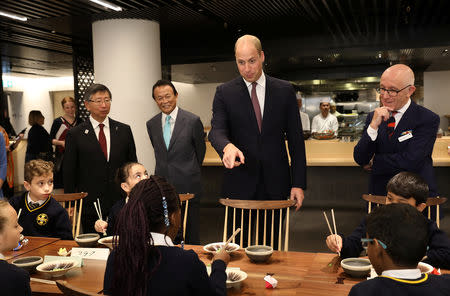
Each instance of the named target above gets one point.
<point>334,243</point>
<point>222,255</point>
<point>100,226</point>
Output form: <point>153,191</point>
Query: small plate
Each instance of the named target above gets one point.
<point>235,277</point>
<point>56,268</point>
<point>214,247</point>
<point>107,241</point>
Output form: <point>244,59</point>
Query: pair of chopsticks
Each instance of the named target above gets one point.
<point>231,237</point>
<point>18,214</point>
<point>98,209</point>
<point>334,224</point>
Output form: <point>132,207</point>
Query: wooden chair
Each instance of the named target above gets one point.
<point>73,203</point>
<point>258,205</point>
<point>185,197</point>
<point>71,290</point>
<point>431,201</point>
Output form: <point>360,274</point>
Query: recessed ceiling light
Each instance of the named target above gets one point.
<point>107,5</point>
<point>13,16</point>
<point>445,52</point>
<point>319,59</point>
<point>379,55</point>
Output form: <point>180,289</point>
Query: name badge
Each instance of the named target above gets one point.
<point>405,137</point>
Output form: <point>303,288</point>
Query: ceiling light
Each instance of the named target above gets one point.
<point>319,59</point>
<point>107,5</point>
<point>13,16</point>
<point>379,55</point>
<point>444,52</point>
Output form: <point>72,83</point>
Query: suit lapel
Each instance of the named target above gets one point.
<point>267,103</point>
<point>404,121</point>
<point>113,138</point>
<point>179,125</point>
<point>247,102</point>
<point>159,138</point>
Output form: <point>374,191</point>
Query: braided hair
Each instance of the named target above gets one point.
<point>144,213</point>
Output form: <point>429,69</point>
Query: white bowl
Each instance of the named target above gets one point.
<point>214,247</point>
<point>235,277</point>
<point>28,263</point>
<point>424,267</point>
<point>87,240</point>
<point>62,266</point>
<point>356,267</point>
<point>259,253</point>
<point>107,241</point>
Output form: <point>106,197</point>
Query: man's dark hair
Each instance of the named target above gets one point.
<point>409,185</point>
<point>163,82</point>
<point>95,88</point>
<point>403,229</point>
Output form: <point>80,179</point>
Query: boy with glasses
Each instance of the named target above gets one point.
<point>397,240</point>
<point>404,188</point>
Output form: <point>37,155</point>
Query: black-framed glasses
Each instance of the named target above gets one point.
<point>366,241</point>
<point>99,101</point>
<point>391,92</point>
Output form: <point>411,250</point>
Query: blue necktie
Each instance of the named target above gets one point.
<point>166,131</point>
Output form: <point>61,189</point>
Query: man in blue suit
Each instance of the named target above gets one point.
<point>252,115</point>
<point>399,136</point>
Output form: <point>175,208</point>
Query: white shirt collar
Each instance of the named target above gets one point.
<point>261,81</point>
<point>403,109</point>
<point>40,202</point>
<point>173,114</point>
<point>408,274</point>
<point>160,239</point>
<point>95,123</point>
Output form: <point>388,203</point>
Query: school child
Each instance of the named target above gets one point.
<point>41,214</point>
<point>407,188</point>
<point>13,280</point>
<point>127,176</point>
<point>145,261</point>
<point>396,242</point>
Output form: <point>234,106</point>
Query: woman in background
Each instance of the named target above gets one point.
<point>58,132</point>
<point>39,144</point>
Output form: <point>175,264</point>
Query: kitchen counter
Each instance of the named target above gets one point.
<point>337,153</point>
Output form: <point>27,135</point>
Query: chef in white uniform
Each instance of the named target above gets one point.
<point>324,122</point>
<point>306,126</point>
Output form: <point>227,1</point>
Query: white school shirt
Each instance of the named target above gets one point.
<point>407,274</point>
<point>160,239</point>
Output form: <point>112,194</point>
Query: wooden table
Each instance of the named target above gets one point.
<point>298,273</point>
<point>33,244</point>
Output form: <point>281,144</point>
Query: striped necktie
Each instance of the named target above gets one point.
<point>33,205</point>
<point>391,124</point>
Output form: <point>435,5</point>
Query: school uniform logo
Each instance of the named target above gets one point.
<point>42,219</point>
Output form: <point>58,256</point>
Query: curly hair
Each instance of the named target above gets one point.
<point>37,168</point>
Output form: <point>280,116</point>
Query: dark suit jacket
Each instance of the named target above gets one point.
<point>234,121</point>
<point>390,156</point>
<point>181,163</point>
<point>86,168</point>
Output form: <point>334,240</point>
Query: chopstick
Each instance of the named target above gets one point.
<point>98,212</point>
<point>231,237</point>
<point>98,209</point>
<point>329,227</point>
<point>42,281</point>
<point>18,214</point>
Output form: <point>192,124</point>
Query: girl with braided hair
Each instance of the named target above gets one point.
<point>145,261</point>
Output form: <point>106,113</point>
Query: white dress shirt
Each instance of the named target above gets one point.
<point>373,133</point>
<point>407,274</point>
<point>321,124</point>
<point>260,91</point>
<point>305,121</point>
<point>95,125</point>
<point>173,118</point>
<point>40,202</point>
<point>160,239</point>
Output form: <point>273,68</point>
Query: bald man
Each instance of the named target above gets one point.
<point>399,136</point>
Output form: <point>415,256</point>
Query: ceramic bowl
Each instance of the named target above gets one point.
<point>424,267</point>
<point>87,240</point>
<point>28,263</point>
<point>214,247</point>
<point>259,253</point>
<point>235,277</point>
<point>56,268</point>
<point>106,241</point>
<point>356,267</point>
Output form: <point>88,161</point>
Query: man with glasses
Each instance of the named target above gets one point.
<point>399,136</point>
<point>95,149</point>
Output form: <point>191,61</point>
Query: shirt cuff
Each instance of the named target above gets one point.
<point>373,133</point>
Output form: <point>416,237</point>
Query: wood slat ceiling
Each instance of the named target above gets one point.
<point>295,33</point>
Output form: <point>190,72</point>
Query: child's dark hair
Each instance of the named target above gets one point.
<point>409,185</point>
<point>37,168</point>
<point>123,173</point>
<point>144,213</point>
<point>403,229</point>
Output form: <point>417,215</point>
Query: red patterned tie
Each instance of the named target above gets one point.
<point>391,124</point>
<point>102,140</point>
<point>256,106</point>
